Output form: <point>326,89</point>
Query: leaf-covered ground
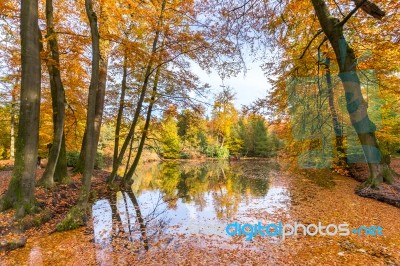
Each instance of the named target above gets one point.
<point>318,197</point>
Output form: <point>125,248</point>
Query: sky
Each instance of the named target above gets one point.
<point>248,87</point>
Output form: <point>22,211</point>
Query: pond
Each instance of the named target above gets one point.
<point>190,198</point>
<point>178,208</point>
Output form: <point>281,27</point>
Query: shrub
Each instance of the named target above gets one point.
<point>73,157</point>
<point>214,150</point>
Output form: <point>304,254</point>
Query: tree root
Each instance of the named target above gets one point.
<point>22,208</point>
<point>373,183</point>
<point>46,183</point>
<point>380,195</point>
<point>76,217</point>
<point>34,220</point>
<point>17,242</point>
<point>5,204</point>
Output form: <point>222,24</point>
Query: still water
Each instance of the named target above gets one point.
<point>180,198</point>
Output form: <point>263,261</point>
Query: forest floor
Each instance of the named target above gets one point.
<point>312,200</point>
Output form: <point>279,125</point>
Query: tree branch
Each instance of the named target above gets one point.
<point>239,7</point>
<point>310,42</point>
<point>72,33</point>
<point>358,5</point>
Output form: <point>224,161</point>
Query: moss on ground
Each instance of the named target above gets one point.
<point>75,218</point>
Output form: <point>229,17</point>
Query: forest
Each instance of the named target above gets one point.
<point>111,142</point>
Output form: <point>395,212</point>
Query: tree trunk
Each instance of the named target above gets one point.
<point>141,97</point>
<point>104,46</point>
<point>356,105</point>
<point>335,121</point>
<point>21,191</point>
<point>101,91</point>
<point>61,173</point>
<point>58,100</point>
<point>91,144</point>
<point>80,163</point>
<point>77,216</point>
<point>128,161</point>
<point>120,114</point>
<point>128,176</point>
<point>12,125</point>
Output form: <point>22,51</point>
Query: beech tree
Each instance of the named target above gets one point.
<point>20,194</point>
<point>104,47</point>
<point>300,39</point>
<point>77,216</point>
<point>143,90</point>
<point>56,168</point>
<point>356,104</point>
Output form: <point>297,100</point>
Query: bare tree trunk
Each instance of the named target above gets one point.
<point>58,100</point>
<point>141,97</point>
<point>77,216</point>
<point>120,113</point>
<point>21,191</point>
<point>356,105</point>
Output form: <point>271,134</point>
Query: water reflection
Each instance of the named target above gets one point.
<point>35,257</point>
<point>102,227</point>
<point>188,198</point>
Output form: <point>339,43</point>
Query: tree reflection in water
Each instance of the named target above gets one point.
<point>175,197</point>
<point>129,217</point>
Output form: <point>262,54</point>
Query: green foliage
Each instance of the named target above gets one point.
<point>221,152</point>
<point>214,150</point>
<point>260,138</point>
<point>236,141</point>
<point>73,157</point>
<point>5,137</point>
<point>274,144</point>
<point>250,137</point>
<point>99,162</point>
<point>191,131</point>
<point>203,143</point>
<point>170,139</point>
<point>224,115</point>
<point>4,152</point>
<point>227,133</point>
